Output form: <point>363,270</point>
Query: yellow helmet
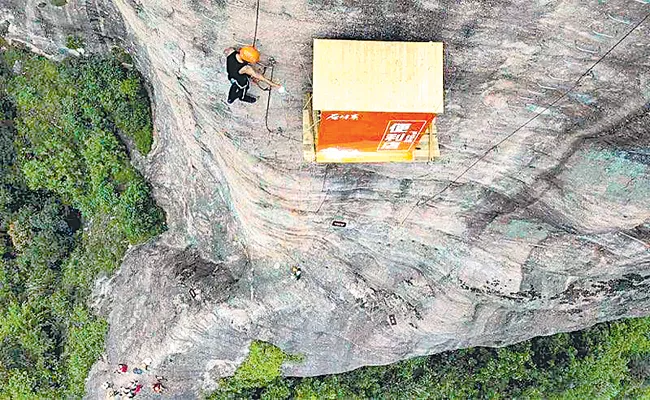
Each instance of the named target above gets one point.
<point>249,54</point>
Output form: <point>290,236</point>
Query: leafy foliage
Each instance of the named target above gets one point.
<point>122,56</point>
<point>610,360</point>
<point>261,368</point>
<point>74,42</point>
<point>62,166</point>
<point>69,116</point>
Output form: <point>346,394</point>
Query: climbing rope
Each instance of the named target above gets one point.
<point>278,131</point>
<point>271,65</point>
<point>268,102</point>
<point>257,21</point>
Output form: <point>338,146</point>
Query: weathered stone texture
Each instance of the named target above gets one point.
<point>546,232</point>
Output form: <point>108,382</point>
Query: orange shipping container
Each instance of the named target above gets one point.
<point>369,136</point>
<point>391,91</point>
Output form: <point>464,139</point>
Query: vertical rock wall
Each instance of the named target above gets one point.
<point>535,219</point>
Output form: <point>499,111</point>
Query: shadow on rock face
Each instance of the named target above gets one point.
<point>447,21</point>
<point>631,134</point>
<point>205,280</point>
<point>385,20</point>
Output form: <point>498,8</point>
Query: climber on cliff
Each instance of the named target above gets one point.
<point>239,65</point>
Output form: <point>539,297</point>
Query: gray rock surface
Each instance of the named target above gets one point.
<point>523,227</point>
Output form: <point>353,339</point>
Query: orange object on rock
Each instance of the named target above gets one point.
<point>249,54</point>
<point>373,101</point>
<point>346,136</point>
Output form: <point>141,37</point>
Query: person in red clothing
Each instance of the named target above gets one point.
<point>135,390</point>
<point>158,387</point>
<point>121,368</point>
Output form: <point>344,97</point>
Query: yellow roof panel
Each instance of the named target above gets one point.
<point>353,75</point>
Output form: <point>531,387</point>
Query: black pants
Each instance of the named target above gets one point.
<point>238,91</point>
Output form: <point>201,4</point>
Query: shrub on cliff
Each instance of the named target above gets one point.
<point>260,369</point>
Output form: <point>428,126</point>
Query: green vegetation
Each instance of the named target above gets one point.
<point>260,369</point>
<point>59,3</point>
<point>74,42</point>
<point>70,205</point>
<point>121,55</point>
<point>610,360</point>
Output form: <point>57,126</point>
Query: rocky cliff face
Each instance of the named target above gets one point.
<point>515,232</point>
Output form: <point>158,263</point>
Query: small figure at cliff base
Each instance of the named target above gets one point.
<point>158,387</point>
<point>239,65</point>
<point>121,368</point>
